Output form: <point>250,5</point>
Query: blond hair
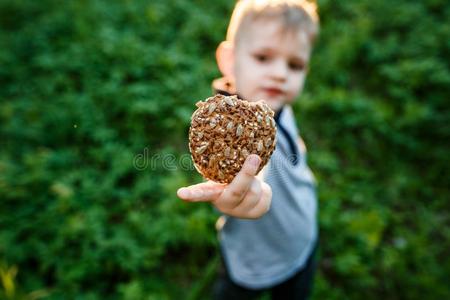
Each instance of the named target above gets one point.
<point>294,14</point>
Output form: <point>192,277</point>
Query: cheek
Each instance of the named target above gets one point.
<point>246,78</point>
<point>296,83</point>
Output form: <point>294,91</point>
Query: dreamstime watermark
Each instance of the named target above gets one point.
<point>170,162</point>
<point>166,161</point>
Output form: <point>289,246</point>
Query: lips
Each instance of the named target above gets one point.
<point>273,92</point>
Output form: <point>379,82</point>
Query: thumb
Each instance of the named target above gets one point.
<point>247,173</point>
<point>251,165</point>
<point>237,189</point>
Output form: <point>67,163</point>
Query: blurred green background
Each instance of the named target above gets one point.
<point>91,91</point>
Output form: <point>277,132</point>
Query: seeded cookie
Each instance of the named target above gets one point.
<point>225,130</point>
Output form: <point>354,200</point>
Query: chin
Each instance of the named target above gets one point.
<point>275,104</point>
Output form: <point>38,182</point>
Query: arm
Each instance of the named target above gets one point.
<point>246,197</point>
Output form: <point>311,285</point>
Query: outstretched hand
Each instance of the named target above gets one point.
<point>246,197</point>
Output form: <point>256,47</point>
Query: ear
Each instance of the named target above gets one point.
<point>225,59</point>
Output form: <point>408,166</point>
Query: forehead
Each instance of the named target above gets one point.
<point>274,36</point>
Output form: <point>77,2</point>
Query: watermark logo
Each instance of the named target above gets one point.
<point>167,161</point>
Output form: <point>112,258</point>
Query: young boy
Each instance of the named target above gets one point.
<point>265,56</point>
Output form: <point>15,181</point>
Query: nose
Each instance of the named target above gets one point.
<point>279,70</point>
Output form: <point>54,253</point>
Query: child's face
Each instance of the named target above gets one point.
<point>270,63</point>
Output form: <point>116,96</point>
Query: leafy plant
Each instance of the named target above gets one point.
<point>96,101</point>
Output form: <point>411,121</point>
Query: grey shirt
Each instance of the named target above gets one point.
<point>264,252</point>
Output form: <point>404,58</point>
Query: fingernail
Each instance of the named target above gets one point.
<point>254,161</point>
<point>184,193</point>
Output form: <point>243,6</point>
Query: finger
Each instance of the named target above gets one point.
<point>236,190</point>
<point>251,198</point>
<point>263,205</point>
<point>201,192</point>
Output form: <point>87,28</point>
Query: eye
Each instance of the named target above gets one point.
<point>297,65</point>
<point>261,57</point>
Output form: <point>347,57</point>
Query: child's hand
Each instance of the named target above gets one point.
<point>246,197</point>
